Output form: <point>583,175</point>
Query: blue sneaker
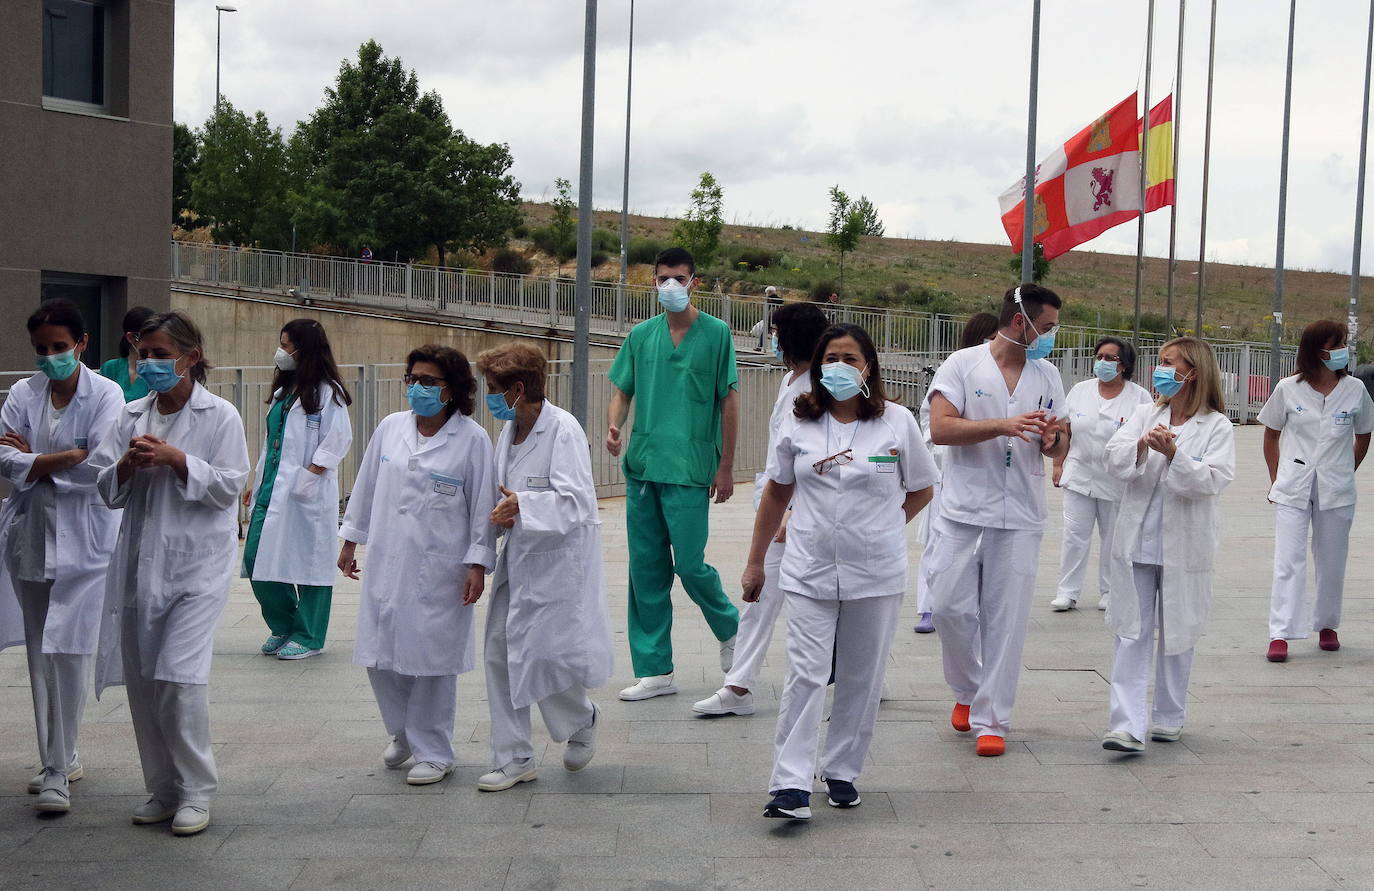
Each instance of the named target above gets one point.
<point>842,793</point>
<point>293,650</point>
<point>789,804</point>
<point>273,644</point>
<point>926,625</point>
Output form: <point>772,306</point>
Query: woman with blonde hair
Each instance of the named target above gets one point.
<point>1176,455</point>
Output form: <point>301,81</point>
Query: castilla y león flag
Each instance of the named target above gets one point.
<point>1085,187</point>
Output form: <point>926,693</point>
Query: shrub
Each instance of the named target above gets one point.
<point>644,250</point>
<point>511,260</point>
<point>599,257</point>
<point>756,258</point>
<point>821,293</point>
<point>520,230</point>
<point>606,240</point>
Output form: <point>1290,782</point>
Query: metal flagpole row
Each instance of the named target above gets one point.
<point>582,307</point>
<point>625,195</point>
<point>1206,171</point>
<point>1028,236</point>
<point>1144,167</point>
<point>1173,208</point>
<point>1276,328</point>
<point>1353,319</point>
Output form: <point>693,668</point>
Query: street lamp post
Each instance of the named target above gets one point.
<point>219,16</point>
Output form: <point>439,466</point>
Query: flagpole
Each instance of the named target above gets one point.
<point>1354,318</point>
<point>1206,170</point>
<point>1028,235</point>
<point>1276,327</point>
<point>1177,116</point>
<point>1144,166</point>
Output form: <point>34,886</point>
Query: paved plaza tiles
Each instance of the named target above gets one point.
<point>1272,785</point>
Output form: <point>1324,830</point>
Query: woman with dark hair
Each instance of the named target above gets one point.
<point>980,328</point>
<point>291,537</point>
<point>1317,429</point>
<point>799,327</point>
<point>1093,411</point>
<point>55,537</point>
<point>422,504</point>
<point>175,461</point>
<point>123,369</point>
<point>855,470</point>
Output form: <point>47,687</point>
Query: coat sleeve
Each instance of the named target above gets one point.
<point>106,455</point>
<point>1204,474</point>
<point>479,488</point>
<point>14,418</point>
<point>338,438</point>
<point>914,460</point>
<point>571,499</point>
<point>104,417</point>
<point>1121,448</point>
<point>217,479</point>
<point>357,519</point>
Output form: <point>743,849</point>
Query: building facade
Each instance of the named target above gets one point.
<point>85,163</point>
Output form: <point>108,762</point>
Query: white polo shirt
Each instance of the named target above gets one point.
<point>1318,438</point>
<point>847,536</point>
<point>1092,421</point>
<point>999,483</point>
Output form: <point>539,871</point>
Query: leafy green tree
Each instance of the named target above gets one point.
<point>872,225</point>
<point>467,200</point>
<point>846,226</point>
<point>699,230</point>
<point>239,185</point>
<point>185,163</point>
<point>1040,267</point>
<point>564,225</point>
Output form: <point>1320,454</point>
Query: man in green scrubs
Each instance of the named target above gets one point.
<point>679,369</point>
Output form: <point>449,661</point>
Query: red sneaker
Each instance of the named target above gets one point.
<point>990,746</point>
<point>1329,640</point>
<point>1278,651</point>
<point>958,719</point>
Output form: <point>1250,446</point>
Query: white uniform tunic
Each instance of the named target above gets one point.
<point>300,532</point>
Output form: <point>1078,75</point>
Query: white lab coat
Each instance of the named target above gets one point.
<point>1092,421</point>
<point>299,543</point>
<point>1318,438</point>
<point>175,539</point>
<point>847,536</point>
<point>424,513</point>
<point>85,528</point>
<point>1204,464</point>
<point>558,629</point>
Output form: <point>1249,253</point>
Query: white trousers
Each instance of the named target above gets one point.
<point>565,712</point>
<point>1131,667</point>
<point>1081,512</point>
<point>982,625</point>
<point>858,634</point>
<point>1289,616</point>
<point>171,727</point>
<point>419,711</point>
<point>59,682</point>
<point>756,623</point>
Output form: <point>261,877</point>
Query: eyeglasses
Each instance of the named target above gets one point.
<point>423,380</point>
<point>1116,359</point>
<point>839,459</point>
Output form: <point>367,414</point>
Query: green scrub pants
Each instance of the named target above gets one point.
<point>666,526</point>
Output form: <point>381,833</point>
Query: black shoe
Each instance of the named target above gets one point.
<point>789,804</point>
<point>842,793</point>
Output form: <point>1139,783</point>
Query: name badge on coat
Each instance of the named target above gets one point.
<point>312,422</point>
<point>445,485</point>
<point>537,482</point>
<point>884,463</point>
<point>81,442</point>
<point>1343,418</point>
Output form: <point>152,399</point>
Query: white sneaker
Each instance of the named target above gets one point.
<point>154,811</point>
<point>1121,741</point>
<point>508,775</point>
<point>1160,733</point>
<point>74,773</point>
<point>53,798</point>
<point>726,702</point>
<point>581,746</point>
<point>648,688</point>
<point>190,819</point>
<point>396,753</point>
<point>727,653</point>
<point>1063,603</point>
<point>427,772</point>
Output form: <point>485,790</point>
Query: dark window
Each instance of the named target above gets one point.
<point>87,294</point>
<point>74,51</point>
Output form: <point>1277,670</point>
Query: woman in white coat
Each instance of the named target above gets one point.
<point>548,637</point>
<point>1093,411</point>
<point>176,462</point>
<point>1317,429</point>
<point>855,470</point>
<point>55,536</point>
<point>799,328</point>
<point>289,550</point>
<point>422,505</point>
<point>1176,455</point>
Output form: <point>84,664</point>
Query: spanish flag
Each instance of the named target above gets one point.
<point>1159,156</point>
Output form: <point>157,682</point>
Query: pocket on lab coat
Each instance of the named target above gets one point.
<point>885,544</point>
<point>550,578</point>
<point>306,486</point>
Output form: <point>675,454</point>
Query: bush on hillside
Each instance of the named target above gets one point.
<point>755,259</point>
<point>644,250</point>
<point>599,258</point>
<point>822,291</point>
<point>511,261</point>
<point>606,240</point>
<point>520,230</point>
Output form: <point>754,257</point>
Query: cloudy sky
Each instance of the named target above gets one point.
<point>919,104</point>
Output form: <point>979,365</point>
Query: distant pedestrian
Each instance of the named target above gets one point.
<point>367,255</point>
<point>123,369</point>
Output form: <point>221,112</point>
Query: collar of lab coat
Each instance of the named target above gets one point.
<point>200,399</point>
<point>450,428</point>
<point>542,425</point>
<point>38,407</point>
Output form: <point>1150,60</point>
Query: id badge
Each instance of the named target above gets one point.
<point>537,482</point>
<point>312,422</point>
<point>883,463</point>
<point>1343,418</point>
<point>445,485</point>
<point>81,442</point>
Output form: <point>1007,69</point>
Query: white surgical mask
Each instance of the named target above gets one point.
<point>284,360</point>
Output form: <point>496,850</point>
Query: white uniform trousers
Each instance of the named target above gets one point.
<point>1080,513</point>
<point>1289,617</point>
<point>927,533</point>
<point>982,625</point>
<point>756,623</point>
<point>1131,667</point>
<point>419,711</point>
<point>171,727</point>
<point>565,712</point>
<point>58,681</point>
<point>859,635</point>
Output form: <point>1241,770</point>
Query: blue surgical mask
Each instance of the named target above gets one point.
<point>425,401</point>
<point>1043,344</point>
<point>1105,370</point>
<point>496,404</point>
<point>1340,358</point>
<point>673,295</point>
<point>58,367</point>
<point>159,374</point>
<point>1166,381</point>
<point>843,380</point>
<point>777,350</point>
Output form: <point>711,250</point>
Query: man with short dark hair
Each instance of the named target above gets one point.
<point>679,366</point>
<point>993,406</point>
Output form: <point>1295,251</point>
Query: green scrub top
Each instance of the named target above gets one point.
<point>677,393</point>
<point>276,425</point>
<point>117,370</point>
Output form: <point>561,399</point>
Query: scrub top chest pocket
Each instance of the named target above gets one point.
<point>1343,419</point>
